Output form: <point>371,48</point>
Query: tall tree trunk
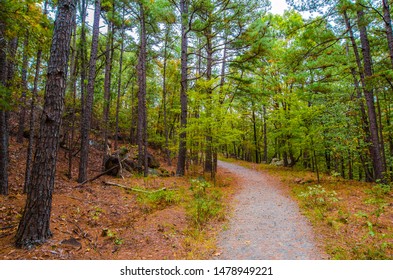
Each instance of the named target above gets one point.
<point>34,226</point>
<point>254,122</point>
<point>83,54</point>
<point>107,87</point>
<point>3,114</point>
<point>264,135</point>
<point>30,146</point>
<point>32,122</point>
<point>164,97</point>
<point>209,138</point>
<point>142,124</point>
<point>182,156</point>
<point>119,84</point>
<point>72,90</point>
<point>86,117</point>
<point>375,148</point>
<point>22,110</point>
<point>388,27</point>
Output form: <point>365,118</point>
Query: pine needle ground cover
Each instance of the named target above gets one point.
<point>161,218</point>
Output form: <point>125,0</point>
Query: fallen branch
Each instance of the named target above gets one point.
<point>101,174</point>
<point>132,189</point>
<point>96,177</point>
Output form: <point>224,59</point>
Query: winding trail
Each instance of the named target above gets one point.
<point>266,224</point>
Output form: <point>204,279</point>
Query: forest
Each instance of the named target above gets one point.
<point>107,85</point>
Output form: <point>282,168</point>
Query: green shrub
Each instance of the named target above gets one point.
<point>206,203</point>
<point>159,199</point>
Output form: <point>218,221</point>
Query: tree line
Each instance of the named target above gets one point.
<point>194,78</point>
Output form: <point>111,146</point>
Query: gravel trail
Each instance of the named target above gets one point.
<point>266,223</point>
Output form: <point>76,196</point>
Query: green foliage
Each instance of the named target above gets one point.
<point>206,203</point>
<point>112,236</point>
<point>159,199</point>
<point>317,196</point>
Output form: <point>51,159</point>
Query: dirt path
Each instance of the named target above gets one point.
<point>266,224</point>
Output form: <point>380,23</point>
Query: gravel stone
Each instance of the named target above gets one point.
<point>266,223</point>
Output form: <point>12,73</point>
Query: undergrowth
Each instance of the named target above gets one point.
<point>205,203</point>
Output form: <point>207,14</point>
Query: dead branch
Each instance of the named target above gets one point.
<point>96,177</point>
<point>132,189</point>
<point>101,174</point>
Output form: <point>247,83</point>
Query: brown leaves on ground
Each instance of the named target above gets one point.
<point>96,221</point>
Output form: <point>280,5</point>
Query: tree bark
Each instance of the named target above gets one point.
<point>182,156</point>
<point>72,90</point>
<point>264,135</point>
<point>34,227</point>
<point>86,117</point>
<point>22,110</point>
<point>375,148</point>
<point>209,138</point>
<point>142,116</point>
<point>119,84</point>
<point>3,116</point>
<point>388,27</point>
<point>30,146</point>
<point>107,87</point>
<point>164,97</point>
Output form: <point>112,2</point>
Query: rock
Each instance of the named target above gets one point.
<point>277,162</point>
<point>113,161</point>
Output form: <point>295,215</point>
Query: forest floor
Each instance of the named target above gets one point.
<point>182,218</point>
<point>351,220</point>
<point>159,219</point>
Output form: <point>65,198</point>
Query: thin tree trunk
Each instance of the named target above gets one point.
<point>119,84</point>
<point>31,123</point>
<point>254,122</point>
<point>72,86</point>
<point>182,156</point>
<point>142,128</point>
<point>164,97</point>
<point>86,118</point>
<point>30,147</point>
<point>209,137</point>
<point>376,154</point>
<point>388,27</point>
<point>264,135</point>
<point>22,110</point>
<point>34,227</point>
<point>107,88</point>
<point>3,115</point>
<point>83,54</point>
